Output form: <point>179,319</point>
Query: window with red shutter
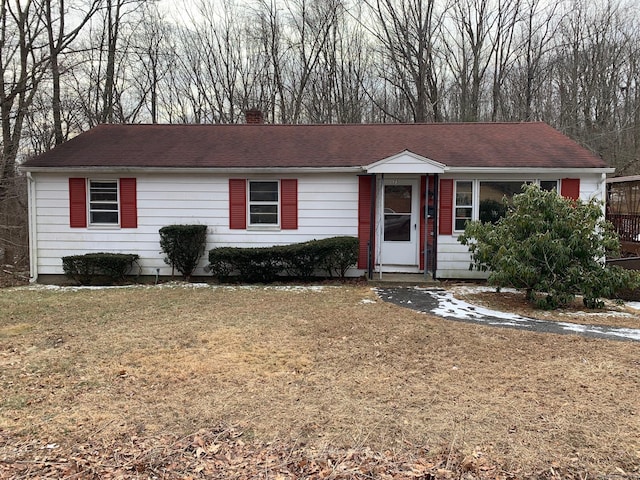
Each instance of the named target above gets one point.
<point>103,203</point>
<point>263,203</point>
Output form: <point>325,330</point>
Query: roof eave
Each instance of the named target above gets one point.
<point>564,170</point>
<point>226,170</point>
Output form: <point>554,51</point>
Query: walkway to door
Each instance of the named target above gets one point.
<point>442,303</point>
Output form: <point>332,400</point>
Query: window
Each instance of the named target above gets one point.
<point>110,203</point>
<point>464,200</point>
<point>267,203</point>
<point>103,202</point>
<point>548,185</point>
<point>492,195</point>
<point>464,204</point>
<point>263,202</point>
<point>397,213</point>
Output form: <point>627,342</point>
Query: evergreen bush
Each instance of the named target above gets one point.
<point>299,260</point>
<point>551,247</point>
<point>98,268</point>
<point>183,246</point>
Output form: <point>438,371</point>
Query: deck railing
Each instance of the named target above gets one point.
<point>627,226</point>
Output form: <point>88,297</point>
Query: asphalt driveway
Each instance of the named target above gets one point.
<point>442,303</point>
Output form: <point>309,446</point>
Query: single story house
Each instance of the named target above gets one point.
<point>405,190</point>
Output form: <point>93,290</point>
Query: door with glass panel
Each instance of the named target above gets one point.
<point>400,232</point>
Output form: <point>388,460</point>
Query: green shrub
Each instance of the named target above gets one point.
<point>551,247</point>
<point>300,260</point>
<point>341,254</point>
<point>261,264</point>
<point>98,268</point>
<point>183,246</point>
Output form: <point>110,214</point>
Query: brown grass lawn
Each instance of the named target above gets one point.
<point>90,379</point>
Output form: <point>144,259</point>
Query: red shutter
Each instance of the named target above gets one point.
<point>77,203</point>
<point>237,203</point>
<point>364,220</point>
<point>289,204</point>
<point>570,188</point>
<point>446,207</point>
<point>128,203</point>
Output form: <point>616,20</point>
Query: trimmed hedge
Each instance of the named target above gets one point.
<point>98,268</point>
<point>301,260</point>
<point>183,246</point>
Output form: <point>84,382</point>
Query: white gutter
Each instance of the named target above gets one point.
<point>567,171</point>
<point>214,170</point>
<point>348,169</point>
<point>33,231</point>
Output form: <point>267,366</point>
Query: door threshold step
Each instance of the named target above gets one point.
<point>403,279</point>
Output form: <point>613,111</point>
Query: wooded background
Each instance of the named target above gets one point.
<point>68,65</point>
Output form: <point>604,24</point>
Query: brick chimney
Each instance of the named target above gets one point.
<point>254,116</point>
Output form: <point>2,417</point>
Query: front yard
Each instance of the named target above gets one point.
<point>182,382</point>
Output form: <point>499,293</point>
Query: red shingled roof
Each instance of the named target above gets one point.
<point>248,146</point>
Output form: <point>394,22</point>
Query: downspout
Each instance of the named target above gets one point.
<point>372,226</point>
<point>436,208</point>
<point>33,234</point>
<point>605,192</point>
<point>425,214</point>
<point>380,235</point>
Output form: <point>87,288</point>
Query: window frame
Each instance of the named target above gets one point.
<point>457,206</point>
<point>557,186</point>
<point>475,195</point>
<point>90,202</point>
<point>277,203</point>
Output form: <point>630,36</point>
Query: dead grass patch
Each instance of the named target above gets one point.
<point>320,370</point>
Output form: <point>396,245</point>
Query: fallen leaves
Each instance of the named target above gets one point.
<point>222,453</point>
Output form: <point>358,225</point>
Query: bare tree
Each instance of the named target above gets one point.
<point>294,38</point>
<point>471,48</point>
<point>54,19</point>
<point>406,32</point>
<point>508,15</point>
<point>152,57</point>
<point>22,66</point>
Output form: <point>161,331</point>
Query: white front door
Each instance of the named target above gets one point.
<point>400,230</point>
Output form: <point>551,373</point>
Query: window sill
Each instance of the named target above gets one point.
<point>264,228</point>
<point>103,227</point>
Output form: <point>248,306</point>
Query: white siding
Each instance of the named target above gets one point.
<point>454,258</point>
<point>327,206</point>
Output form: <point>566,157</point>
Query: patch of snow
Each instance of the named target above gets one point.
<point>73,288</point>
<point>175,285</point>
<point>471,289</point>
<point>627,333</point>
<point>607,313</point>
<point>297,288</point>
<point>449,306</point>
<point>474,289</point>
<point>634,305</point>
